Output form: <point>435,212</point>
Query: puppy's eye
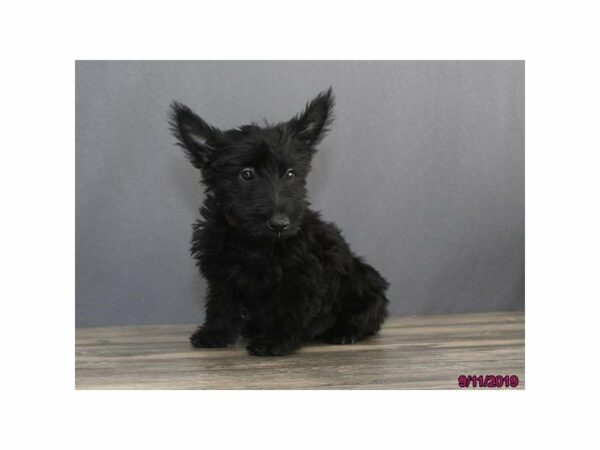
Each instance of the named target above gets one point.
<point>247,174</point>
<point>290,174</point>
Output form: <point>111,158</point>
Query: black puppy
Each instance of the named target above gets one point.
<point>276,272</point>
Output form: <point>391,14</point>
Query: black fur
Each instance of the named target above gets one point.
<point>276,272</point>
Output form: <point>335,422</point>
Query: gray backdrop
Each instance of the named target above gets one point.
<point>423,170</point>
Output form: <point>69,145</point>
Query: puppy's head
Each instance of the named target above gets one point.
<point>257,173</point>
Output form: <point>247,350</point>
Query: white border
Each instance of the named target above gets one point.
<point>41,40</point>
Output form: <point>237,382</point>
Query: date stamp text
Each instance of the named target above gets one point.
<point>488,381</point>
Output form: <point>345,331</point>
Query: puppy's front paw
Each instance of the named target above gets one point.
<point>271,347</point>
<point>205,338</point>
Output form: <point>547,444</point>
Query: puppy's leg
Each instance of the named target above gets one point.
<point>223,322</point>
<point>352,327</point>
<point>289,318</point>
<point>251,328</point>
<point>363,307</point>
<point>281,328</point>
<point>280,332</point>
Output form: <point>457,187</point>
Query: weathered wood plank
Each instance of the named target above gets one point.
<point>424,352</point>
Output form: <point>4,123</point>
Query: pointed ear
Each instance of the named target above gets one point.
<point>311,125</point>
<point>198,139</point>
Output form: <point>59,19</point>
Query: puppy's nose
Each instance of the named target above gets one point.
<point>278,222</point>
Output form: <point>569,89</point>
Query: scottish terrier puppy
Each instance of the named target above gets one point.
<point>276,273</point>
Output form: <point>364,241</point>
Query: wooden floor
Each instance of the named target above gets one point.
<point>427,352</point>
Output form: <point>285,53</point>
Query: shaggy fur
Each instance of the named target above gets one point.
<point>277,274</point>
